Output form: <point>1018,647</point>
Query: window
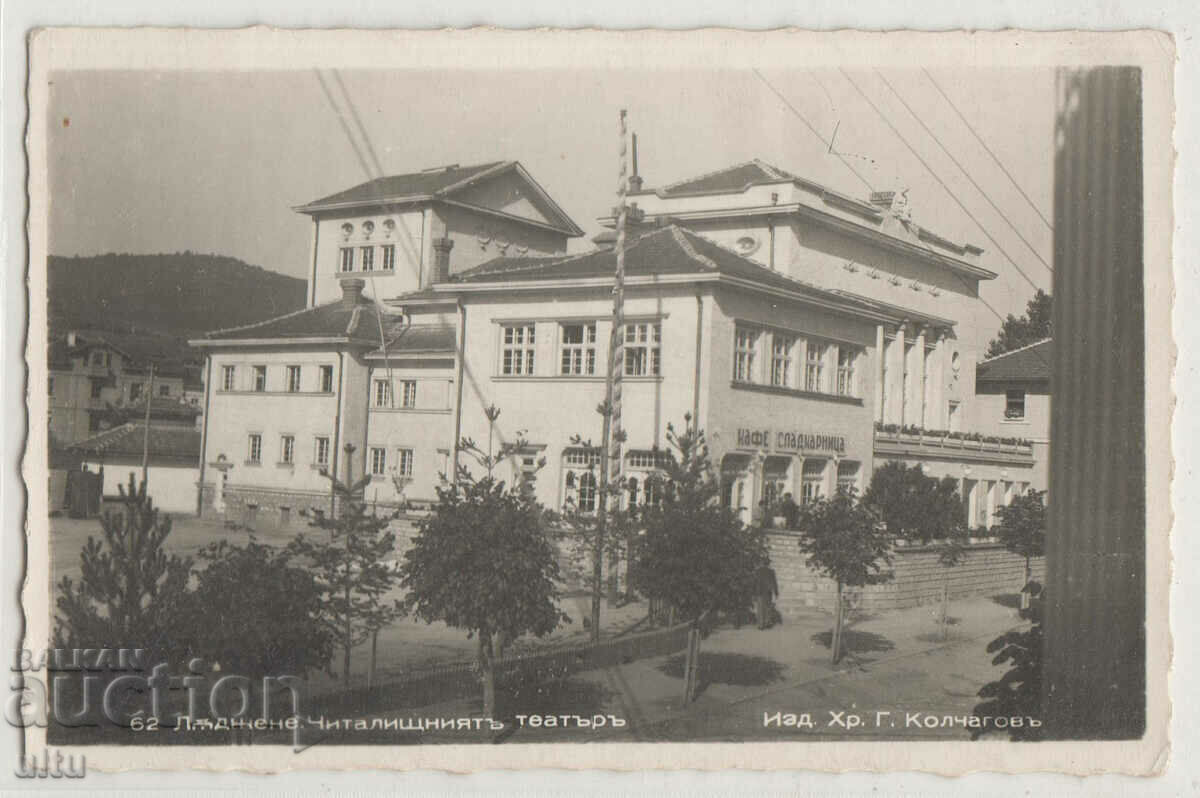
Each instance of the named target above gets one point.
<point>845,371</point>
<point>1014,403</point>
<point>228,375</point>
<point>97,388</point>
<point>368,258</point>
<point>812,482</point>
<point>847,476</point>
<point>579,481</point>
<point>646,468</point>
<point>293,379</point>
<point>404,462</point>
<point>781,360</point>
<point>383,393</point>
<point>135,391</point>
<point>378,461</point>
<point>585,498</point>
<point>321,450</point>
<point>389,257</point>
<point>254,455</point>
<point>578,349</point>
<point>287,449</point>
<point>642,342</point>
<point>814,364</point>
<point>517,349</point>
<point>327,379</point>
<point>260,378</point>
<point>98,359</point>
<point>745,357</point>
<point>347,259</point>
<point>164,390</point>
<point>408,393</point>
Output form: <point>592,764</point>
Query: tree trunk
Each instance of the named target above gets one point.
<point>371,667</point>
<point>945,608</point>
<point>837,626</point>
<point>597,579</point>
<point>1028,579</point>
<point>487,675</point>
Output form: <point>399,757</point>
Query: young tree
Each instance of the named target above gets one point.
<point>950,553</point>
<point>354,566</point>
<point>1019,691</point>
<point>484,561</point>
<point>1034,326</point>
<point>696,555</point>
<point>1022,530</point>
<point>130,594</point>
<point>845,541</point>
<point>914,506</point>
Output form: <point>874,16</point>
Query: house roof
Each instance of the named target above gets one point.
<point>668,250</point>
<point>443,183</point>
<point>139,350</point>
<point>127,440</point>
<point>412,339</point>
<point>161,407</point>
<point>1027,364</point>
<point>332,322</point>
<point>738,177</point>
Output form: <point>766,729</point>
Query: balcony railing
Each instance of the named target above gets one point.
<point>952,441</point>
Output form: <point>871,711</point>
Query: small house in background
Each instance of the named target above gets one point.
<point>1012,398</point>
<point>173,456</point>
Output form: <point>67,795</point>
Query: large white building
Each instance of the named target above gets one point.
<point>811,334</point>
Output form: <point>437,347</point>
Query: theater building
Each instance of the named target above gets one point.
<point>810,335</point>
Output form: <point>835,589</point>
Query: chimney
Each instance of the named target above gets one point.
<point>635,180</point>
<point>605,240</point>
<point>352,292</point>
<point>882,199</point>
<point>441,260</point>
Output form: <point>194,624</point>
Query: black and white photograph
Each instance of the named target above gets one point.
<point>520,391</point>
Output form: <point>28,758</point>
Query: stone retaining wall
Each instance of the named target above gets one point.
<point>986,569</point>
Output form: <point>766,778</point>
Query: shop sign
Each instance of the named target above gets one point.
<point>790,441</point>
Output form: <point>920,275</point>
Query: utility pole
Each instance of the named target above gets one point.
<point>146,431</point>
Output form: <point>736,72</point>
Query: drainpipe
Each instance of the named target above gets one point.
<point>204,435</point>
<point>312,283</point>
<point>696,375</point>
<point>337,432</point>
<point>461,356</point>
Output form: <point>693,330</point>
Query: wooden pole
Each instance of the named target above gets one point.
<point>146,431</point>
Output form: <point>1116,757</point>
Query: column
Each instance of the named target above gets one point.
<point>896,387</point>
<point>917,414</point>
<point>879,372</point>
<point>936,415</point>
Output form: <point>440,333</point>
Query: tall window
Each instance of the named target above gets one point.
<point>814,365</point>
<point>845,371</point>
<point>228,377</point>
<point>97,387</point>
<point>781,359</point>
<point>368,258</point>
<point>745,356</point>
<point>517,349</point>
<point>812,482</point>
<point>404,462</point>
<point>579,480</point>
<point>327,379</point>
<point>254,449</point>
<point>347,259</point>
<point>408,393</point>
<point>260,378</point>
<point>287,449</point>
<point>135,391</point>
<point>164,389</point>
<point>321,450</point>
<point>847,476</point>
<point>378,461</point>
<point>383,393</point>
<point>389,257</point>
<point>642,343</point>
<point>293,379</point>
<point>586,496</point>
<point>578,354</point>
<point>1014,403</point>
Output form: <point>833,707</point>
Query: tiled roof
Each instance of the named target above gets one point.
<point>733,178</point>
<point>161,407</point>
<point>665,251</point>
<point>415,338</point>
<point>1029,363</point>
<point>127,440</point>
<point>331,320</point>
<point>416,184</point>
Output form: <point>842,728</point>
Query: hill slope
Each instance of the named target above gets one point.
<point>180,295</point>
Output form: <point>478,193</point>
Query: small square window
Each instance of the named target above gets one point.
<point>1014,404</point>
<point>293,379</point>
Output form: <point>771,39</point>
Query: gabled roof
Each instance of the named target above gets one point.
<point>443,183</point>
<point>1028,364</point>
<point>738,177</point>
<point>331,322</point>
<point>127,440</point>
<point>667,251</point>
<point>161,408</point>
<point>414,339</point>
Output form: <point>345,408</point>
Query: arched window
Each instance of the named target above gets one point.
<point>587,492</point>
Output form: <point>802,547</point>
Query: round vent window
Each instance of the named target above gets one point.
<point>747,245</point>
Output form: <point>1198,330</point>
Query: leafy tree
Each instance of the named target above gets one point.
<point>257,613</point>
<point>484,561</point>
<point>130,594</point>
<point>1034,326</point>
<point>1019,691</point>
<point>1022,528</point>
<point>354,567</point>
<point>845,541</point>
<point>950,553</point>
<point>914,506</point>
<point>694,554</point>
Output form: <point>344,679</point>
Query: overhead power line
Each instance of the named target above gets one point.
<point>988,149</point>
<point>964,170</point>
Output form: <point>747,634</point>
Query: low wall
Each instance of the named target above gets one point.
<point>986,569</point>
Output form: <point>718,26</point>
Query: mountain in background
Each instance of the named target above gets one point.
<point>180,295</point>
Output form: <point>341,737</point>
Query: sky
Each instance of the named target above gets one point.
<point>147,162</point>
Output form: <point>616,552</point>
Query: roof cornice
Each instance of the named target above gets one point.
<point>214,343</point>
